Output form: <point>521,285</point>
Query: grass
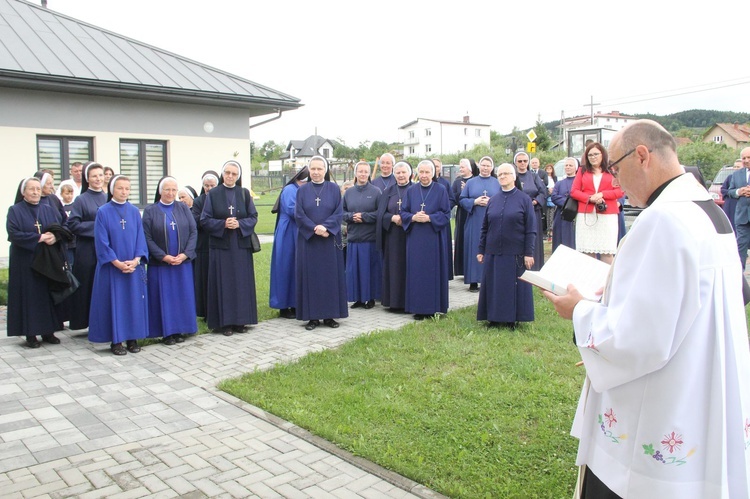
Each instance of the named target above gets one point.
<point>467,411</point>
<point>3,286</point>
<point>266,219</point>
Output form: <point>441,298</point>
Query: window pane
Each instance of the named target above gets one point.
<point>129,160</point>
<point>50,156</point>
<point>79,150</point>
<point>155,169</point>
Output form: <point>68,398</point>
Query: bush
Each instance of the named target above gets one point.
<point>3,286</point>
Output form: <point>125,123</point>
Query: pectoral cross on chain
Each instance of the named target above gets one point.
<point>317,201</point>
<point>399,205</point>
<point>422,205</point>
<point>38,227</point>
<point>484,192</point>
<point>231,209</point>
<point>172,224</point>
<point>123,222</point>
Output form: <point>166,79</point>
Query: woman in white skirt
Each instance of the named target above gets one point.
<point>596,222</point>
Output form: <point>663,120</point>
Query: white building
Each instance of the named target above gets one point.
<point>425,137</point>
<point>70,91</point>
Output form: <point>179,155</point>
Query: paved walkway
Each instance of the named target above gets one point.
<point>77,421</point>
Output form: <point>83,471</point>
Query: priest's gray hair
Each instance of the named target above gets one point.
<point>321,158</point>
<point>393,160</point>
<point>492,162</point>
<point>160,188</point>
<point>232,162</point>
<point>26,181</point>
<point>508,166</point>
<point>405,164</point>
<point>429,163</point>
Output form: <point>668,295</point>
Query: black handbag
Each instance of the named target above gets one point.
<point>569,209</point>
<point>60,295</point>
<point>254,242</point>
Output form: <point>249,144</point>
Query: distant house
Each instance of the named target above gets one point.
<point>426,137</point>
<point>732,135</point>
<point>70,91</point>
<point>299,152</point>
<point>681,141</point>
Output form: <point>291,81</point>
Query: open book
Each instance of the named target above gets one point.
<point>568,266</point>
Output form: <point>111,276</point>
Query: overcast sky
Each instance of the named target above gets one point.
<point>363,69</point>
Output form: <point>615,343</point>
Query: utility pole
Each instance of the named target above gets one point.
<point>592,108</point>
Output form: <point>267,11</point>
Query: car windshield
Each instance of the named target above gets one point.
<point>722,175</point>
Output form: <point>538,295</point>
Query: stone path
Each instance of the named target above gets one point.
<point>76,421</point>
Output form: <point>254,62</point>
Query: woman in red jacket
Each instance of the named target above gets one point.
<point>596,223</point>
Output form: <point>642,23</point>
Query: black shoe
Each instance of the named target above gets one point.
<point>287,313</point>
<point>118,349</point>
<point>474,287</point>
<point>419,317</point>
<point>51,339</point>
<point>227,332</point>
<point>357,304</point>
<point>132,346</point>
<point>241,329</point>
<point>312,324</point>
<point>493,325</point>
<point>331,323</point>
<point>32,342</point>
<point>395,310</point>
<point>178,338</point>
<point>370,304</point>
<point>170,340</point>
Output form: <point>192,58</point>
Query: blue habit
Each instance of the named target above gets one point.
<point>475,188</point>
<point>508,234</point>
<point>532,185</point>
<point>393,247</point>
<point>231,275</point>
<point>321,285</point>
<point>458,232</point>
<point>563,232</point>
<point>363,262</point>
<point>119,307</point>
<point>30,307</point>
<point>170,230</point>
<point>81,223</point>
<point>427,257</point>
<point>447,239</point>
<point>283,280</point>
<point>200,264</point>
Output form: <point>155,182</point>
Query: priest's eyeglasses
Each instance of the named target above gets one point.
<point>614,169</point>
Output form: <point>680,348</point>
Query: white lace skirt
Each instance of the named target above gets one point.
<point>596,233</point>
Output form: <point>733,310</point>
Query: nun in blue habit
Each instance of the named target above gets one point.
<point>391,238</point>
<point>209,180</point>
<point>474,198</point>
<point>506,250</point>
<point>119,304</point>
<point>283,291</point>
<point>426,218</point>
<point>321,284</point>
<point>229,217</point>
<point>363,262</point>
<point>467,169</point>
<point>171,235</point>
<point>563,232</point>
<point>81,223</point>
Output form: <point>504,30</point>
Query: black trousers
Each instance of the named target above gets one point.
<point>593,488</point>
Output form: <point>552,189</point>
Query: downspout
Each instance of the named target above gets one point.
<point>250,127</point>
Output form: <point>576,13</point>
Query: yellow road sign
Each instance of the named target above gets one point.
<point>530,147</point>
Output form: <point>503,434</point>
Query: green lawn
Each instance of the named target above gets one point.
<point>266,219</point>
<point>467,411</point>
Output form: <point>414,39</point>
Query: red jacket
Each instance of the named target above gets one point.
<point>583,188</point>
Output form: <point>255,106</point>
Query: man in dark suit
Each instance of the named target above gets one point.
<point>740,190</point>
<point>535,166</point>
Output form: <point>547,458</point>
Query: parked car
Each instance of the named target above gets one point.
<point>718,180</point>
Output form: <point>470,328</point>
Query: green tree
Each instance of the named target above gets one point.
<point>709,157</point>
<point>543,140</point>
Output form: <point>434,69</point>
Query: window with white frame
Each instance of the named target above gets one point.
<point>58,153</point>
<point>478,132</point>
<point>411,149</point>
<point>326,153</point>
<point>428,148</point>
<point>411,134</point>
<point>427,132</point>
<point>718,138</point>
<point>144,162</point>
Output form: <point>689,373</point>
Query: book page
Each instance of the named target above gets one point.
<point>568,266</point>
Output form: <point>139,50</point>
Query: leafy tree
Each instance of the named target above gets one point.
<point>709,157</point>
<point>543,140</point>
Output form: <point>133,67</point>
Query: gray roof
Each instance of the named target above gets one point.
<point>306,148</point>
<point>41,49</point>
